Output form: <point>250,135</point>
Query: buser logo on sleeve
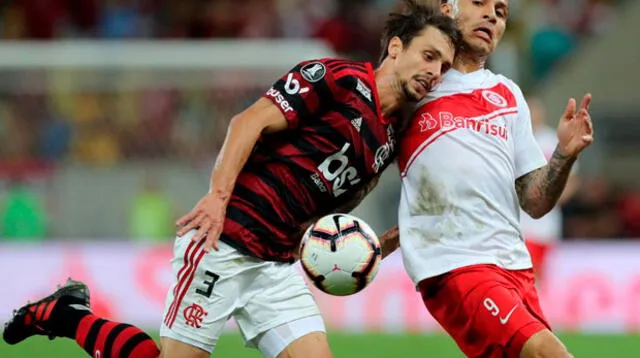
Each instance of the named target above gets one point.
<point>283,103</point>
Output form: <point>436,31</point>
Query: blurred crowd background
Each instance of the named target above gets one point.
<point>68,150</point>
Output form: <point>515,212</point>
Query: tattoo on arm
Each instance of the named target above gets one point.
<point>540,190</point>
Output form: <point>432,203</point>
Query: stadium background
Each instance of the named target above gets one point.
<point>111,113</point>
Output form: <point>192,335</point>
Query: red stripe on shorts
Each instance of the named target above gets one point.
<point>186,280</point>
<point>189,254</point>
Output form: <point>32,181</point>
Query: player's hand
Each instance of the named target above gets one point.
<point>208,218</point>
<point>575,130</point>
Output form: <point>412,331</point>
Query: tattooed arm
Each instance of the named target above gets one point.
<point>539,190</point>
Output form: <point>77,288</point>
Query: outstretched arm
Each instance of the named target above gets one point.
<point>539,190</point>
<point>244,131</point>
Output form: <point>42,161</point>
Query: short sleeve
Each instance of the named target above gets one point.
<point>528,155</point>
<point>303,93</point>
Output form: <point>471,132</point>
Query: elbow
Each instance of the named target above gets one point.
<point>536,212</point>
<point>238,121</point>
<point>533,208</point>
<point>241,123</point>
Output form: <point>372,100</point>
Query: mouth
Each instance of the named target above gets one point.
<point>423,86</point>
<point>484,33</point>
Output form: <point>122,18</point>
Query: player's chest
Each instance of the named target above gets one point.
<point>361,147</point>
<point>483,116</point>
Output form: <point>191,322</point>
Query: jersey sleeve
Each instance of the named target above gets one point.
<point>304,92</point>
<point>528,155</point>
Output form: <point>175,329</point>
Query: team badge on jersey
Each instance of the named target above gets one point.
<point>313,72</point>
<point>494,98</point>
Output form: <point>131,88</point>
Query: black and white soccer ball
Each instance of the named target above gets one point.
<point>340,254</point>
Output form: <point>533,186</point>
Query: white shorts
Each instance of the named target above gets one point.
<point>264,298</point>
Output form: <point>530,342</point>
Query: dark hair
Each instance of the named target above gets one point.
<point>408,24</point>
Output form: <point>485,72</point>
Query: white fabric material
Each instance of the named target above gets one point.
<point>274,341</point>
<point>168,333</point>
<point>468,142</point>
<point>259,294</point>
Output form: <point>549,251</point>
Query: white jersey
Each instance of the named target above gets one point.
<point>467,143</point>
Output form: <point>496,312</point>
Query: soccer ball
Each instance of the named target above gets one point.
<point>340,254</point>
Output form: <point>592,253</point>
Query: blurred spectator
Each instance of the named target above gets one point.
<point>548,30</point>
<point>549,45</point>
<point>104,118</point>
<point>119,19</point>
<point>629,211</point>
<point>23,215</point>
<point>592,212</point>
<point>151,213</point>
<point>55,138</point>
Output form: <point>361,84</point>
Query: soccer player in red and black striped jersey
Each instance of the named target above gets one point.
<point>315,143</point>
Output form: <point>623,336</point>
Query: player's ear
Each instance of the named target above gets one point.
<point>395,47</point>
<point>446,9</point>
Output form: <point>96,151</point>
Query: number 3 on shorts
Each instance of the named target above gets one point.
<point>208,283</point>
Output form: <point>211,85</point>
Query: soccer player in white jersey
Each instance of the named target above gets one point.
<point>541,235</point>
<point>468,162</point>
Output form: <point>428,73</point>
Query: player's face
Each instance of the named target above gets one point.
<point>482,22</point>
<point>420,65</point>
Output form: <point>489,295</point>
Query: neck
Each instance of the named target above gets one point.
<point>467,62</point>
<point>390,92</point>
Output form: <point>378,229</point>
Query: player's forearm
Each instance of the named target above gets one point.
<point>389,241</point>
<point>540,190</point>
<point>239,143</point>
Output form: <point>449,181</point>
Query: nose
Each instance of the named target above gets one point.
<point>435,71</point>
<point>491,16</point>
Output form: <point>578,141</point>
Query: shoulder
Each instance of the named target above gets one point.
<point>332,68</point>
<point>513,87</point>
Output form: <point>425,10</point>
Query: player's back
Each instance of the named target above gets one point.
<point>336,142</point>
<point>465,147</point>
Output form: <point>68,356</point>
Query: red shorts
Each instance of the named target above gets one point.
<point>538,254</point>
<point>490,312</point>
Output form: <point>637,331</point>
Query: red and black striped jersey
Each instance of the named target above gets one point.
<point>337,141</point>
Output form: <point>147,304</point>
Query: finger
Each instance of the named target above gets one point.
<point>571,109</point>
<point>186,218</point>
<point>587,138</point>
<point>586,101</point>
<point>191,225</point>
<point>587,118</point>
<point>202,231</point>
<point>213,237</point>
<point>187,228</point>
